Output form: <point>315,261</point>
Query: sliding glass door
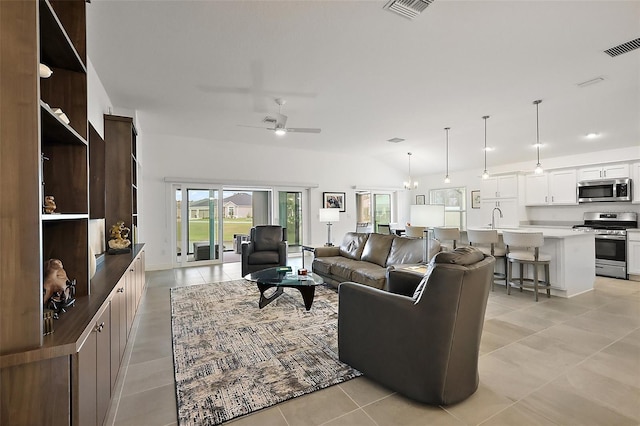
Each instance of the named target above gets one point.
<point>290,214</point>
<point>373,208</point>
<point>197,224</point>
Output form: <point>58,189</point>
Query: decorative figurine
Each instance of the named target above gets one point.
<point>119,242</point>
<point>49,204</point>
<point>59,291</point>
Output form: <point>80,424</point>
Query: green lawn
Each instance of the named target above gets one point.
<point>199,230</point>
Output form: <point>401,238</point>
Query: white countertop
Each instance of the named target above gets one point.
<point>547,232</point>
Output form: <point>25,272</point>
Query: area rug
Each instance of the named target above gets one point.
<point>231,358</point>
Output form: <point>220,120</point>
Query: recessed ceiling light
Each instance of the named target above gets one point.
<point>592,135</point>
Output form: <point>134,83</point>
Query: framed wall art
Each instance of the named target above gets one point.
<point>334,200</point>
<point>420,200</point>
<point>475,199</point>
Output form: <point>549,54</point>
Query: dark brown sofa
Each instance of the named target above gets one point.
<point>365,257</point>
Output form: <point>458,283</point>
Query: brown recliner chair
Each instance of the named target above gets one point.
<point>420,338</point>
<point>266,248</point>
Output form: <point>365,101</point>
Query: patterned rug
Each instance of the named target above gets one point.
<point>232,358</point>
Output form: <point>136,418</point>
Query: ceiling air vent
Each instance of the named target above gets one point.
<point>395,140</point>
<point>408,8</point>
<point>623,48</point>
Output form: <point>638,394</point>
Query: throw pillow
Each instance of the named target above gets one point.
<point>461,256</point>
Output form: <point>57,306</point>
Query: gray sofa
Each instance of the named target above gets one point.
<point>365,257</point>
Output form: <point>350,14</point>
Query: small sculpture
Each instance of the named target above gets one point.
<point>49,204</point>
<point>119,241</point>
<point>59,291</point>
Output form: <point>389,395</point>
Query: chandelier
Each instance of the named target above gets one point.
<point>410,184</point>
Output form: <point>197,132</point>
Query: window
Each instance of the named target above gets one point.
<point>373,208</point>
<point>455,205</point>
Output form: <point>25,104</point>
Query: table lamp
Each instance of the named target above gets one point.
<point>429,216</point>
<point>329,215</point>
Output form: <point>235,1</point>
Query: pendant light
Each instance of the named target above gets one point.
<point>485,174</point>
<point>410,184</point>
<point>538,169</point>
<point>446,177</point>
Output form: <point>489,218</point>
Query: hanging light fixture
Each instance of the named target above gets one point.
<point>411,184</point>
<point>485,174</point>
<point>538,169</point>
<point>446,177</point>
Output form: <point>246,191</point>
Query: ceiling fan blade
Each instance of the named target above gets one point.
<point>256,127</point>
<point>302,130</point>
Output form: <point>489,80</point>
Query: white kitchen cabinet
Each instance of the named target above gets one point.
<point>633,252</point>
<point>635,183</point>
<point>508,207</point>
<point>536,190</point>
<point>608,171</point>
<point>552,188</point>
<point>499,187</point>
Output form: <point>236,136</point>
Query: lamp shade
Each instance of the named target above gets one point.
<point>428,215</point>
<point>329,215</point>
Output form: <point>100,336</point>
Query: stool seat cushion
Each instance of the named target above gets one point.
<point>528,256</point>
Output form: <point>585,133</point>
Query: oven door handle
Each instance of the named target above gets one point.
<point>610,237</point>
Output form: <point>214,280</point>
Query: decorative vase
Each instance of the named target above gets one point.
<point>92,263</point>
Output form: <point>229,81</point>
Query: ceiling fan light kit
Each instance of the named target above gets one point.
<point>280,123</point>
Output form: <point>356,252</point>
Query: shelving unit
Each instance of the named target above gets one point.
<point>121,172</point>
<point>65,377</point>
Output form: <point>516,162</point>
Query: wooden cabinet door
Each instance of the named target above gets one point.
<point>93,374</point>
<point>103,365</point>
<point>507,186</point>
<point>563,187</point>
<point>616,171</point>
<point>537,190</point>
<point>489,188</point>
<point>118,330</point>
<point>633,252</point>
<point>590,173</point>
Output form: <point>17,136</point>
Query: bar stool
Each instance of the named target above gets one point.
<point>486,241</point>
<point>442,234</point>
<point>524,242</point>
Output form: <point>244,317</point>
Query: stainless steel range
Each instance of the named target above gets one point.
<point>611,240</point>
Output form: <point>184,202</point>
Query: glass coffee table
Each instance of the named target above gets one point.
<point>281,277</point>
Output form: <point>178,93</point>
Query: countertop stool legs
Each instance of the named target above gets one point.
<point>524,242</point>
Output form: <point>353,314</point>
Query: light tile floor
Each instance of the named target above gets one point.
<point>556,362</point>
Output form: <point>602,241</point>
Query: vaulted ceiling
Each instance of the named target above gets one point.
<point>365,75</point>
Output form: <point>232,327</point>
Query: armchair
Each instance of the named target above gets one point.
<point>266,248</point>
<point>420,338</point>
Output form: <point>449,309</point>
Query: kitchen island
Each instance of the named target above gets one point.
<point>572,267</point>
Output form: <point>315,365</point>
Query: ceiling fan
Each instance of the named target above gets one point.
<point>280,123</point>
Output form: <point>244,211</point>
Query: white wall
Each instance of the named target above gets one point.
<point>268,167</point>
<point>472,179</point>
<point>98,102</point>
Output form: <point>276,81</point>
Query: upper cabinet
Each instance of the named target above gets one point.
<point>635,182</point>
<point>553,188</point>
<point>609,171</point>
<point>497,187</point>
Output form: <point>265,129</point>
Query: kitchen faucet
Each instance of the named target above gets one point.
<point>493,217</point>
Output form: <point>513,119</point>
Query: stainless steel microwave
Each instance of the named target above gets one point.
<point>590,191</point>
